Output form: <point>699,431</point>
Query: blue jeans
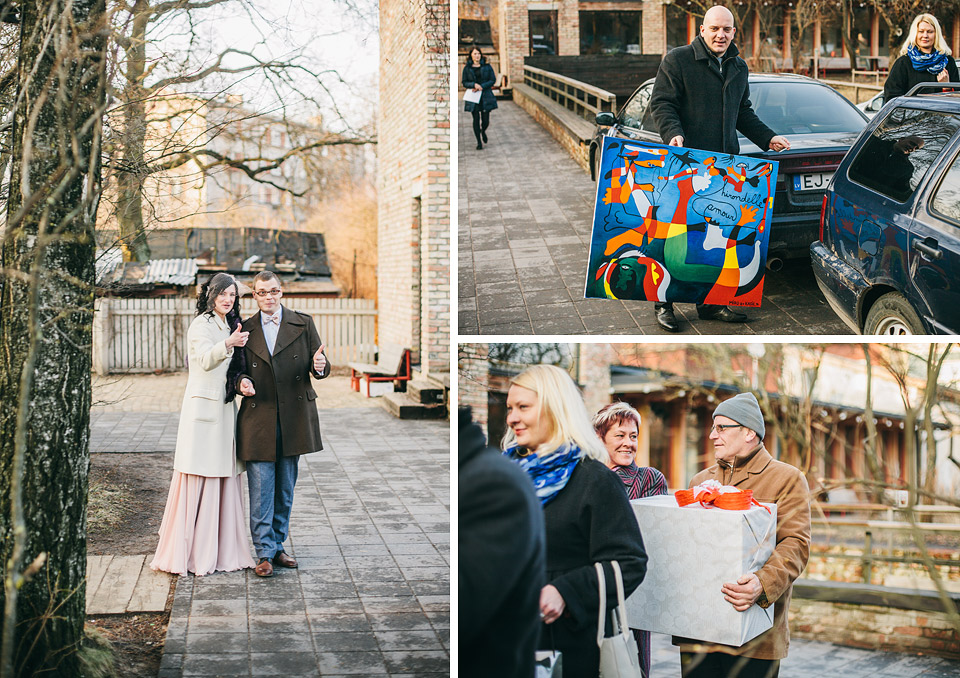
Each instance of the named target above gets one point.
<point>271,486</point>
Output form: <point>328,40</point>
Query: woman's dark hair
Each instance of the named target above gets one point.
<point>483,59</point>
<point>209,292</point>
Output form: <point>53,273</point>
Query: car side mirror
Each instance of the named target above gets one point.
<point>606,119</point>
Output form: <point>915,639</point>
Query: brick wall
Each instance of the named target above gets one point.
<point>595,361</point>
<point>513,28</point>
<point>568,26</point>
<point>414,180</point>
<point>473,380</point>
<point>873,627</point>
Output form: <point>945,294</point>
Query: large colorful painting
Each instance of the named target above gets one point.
<point>678,224</point>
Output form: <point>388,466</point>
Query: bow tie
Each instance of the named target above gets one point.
<point>275,319</point>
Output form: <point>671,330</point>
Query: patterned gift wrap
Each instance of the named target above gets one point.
<point>692,552</point>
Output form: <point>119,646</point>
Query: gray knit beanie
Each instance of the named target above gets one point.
<point>744,409</point>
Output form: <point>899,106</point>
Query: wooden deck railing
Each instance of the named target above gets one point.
<point>582,98</point>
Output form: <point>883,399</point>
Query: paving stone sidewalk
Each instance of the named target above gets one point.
<point>812,659</point>
<point>524,217</point>
<point>371,530</point>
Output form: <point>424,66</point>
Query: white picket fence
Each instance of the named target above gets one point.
<point>146,335</point>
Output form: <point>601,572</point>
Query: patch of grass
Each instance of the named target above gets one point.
<point>96,654</point>
<point>107,503</point>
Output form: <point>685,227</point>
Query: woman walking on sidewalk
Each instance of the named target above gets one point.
<point>478,76</point>
<point>203,528</point>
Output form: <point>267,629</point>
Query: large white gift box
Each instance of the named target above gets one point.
<point>692,551</point>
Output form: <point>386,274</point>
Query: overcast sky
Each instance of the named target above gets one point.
<point>334,36</point>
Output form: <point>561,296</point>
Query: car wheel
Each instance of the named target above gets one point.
<point>595,161</point>
<point>892,314</point>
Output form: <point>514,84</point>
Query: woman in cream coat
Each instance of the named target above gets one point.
<point>203,528</point>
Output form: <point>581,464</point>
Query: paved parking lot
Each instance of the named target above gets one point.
<point>524,221</point>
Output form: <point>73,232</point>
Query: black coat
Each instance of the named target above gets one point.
<point>487,80</point>
<point>903,76</point>
<point>692,99</point>
<point>502,561</point>
<point>589,521</point>
<point>283,385</point>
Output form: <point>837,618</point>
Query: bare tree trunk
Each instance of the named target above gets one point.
<point>133,139</point>
<point>934,365</point>
<point>846,32</point>
<point>871,448</point>
<point>46,309</point>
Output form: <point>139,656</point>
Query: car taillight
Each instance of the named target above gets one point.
<point>823,215</point>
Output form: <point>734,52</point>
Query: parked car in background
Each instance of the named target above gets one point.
<point>888,257</point>
<point>872,106</point>
<point>820,123</point>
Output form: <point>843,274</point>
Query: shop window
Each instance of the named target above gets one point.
<point>610,33</point>
<point>543,32</point>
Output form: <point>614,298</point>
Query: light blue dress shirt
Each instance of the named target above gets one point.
<point>270,329</point>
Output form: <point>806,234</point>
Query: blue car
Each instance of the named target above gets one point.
<point>888,257</point>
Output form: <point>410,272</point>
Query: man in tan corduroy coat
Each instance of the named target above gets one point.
<point>742,461</point>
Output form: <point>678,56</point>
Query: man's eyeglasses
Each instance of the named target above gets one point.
<point>263,293</point>
<point>720,428</point>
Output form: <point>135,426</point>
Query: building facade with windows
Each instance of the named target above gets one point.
<point>773,35</point>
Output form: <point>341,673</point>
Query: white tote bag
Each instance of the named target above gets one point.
<point>618,654</point>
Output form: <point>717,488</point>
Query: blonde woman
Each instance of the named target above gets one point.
<point>587,515</point>
<point>925,57</point>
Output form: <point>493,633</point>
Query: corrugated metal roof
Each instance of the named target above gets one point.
<point>113,272</point>
<point>171,271</point>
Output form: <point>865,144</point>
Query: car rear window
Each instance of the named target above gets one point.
<point>632,113</point>
<point>946,200</point>
<point>804,108</point>
<point>901,149</point>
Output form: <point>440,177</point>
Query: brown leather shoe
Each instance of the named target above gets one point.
<point>283,560</point>
<point>264,568</point>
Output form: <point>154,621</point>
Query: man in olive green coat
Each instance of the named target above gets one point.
<point>278,418</point>
<point>742,461</point>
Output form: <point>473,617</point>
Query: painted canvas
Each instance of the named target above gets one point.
<point>680,224</point>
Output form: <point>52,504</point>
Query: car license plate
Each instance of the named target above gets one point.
<point>816,181</point>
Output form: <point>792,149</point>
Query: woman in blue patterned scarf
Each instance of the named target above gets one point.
<point>618,426</point>
<point>925,57</point>
<point>587,515</point>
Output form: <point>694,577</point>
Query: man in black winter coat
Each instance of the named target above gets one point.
<point>502,561</point>
<point>700,99</point>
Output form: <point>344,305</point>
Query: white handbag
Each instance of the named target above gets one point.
<point>618,654</point>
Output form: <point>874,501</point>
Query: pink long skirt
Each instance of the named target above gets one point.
<point>203,529</point>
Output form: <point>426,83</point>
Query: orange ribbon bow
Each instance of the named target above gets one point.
<point>722,496</point>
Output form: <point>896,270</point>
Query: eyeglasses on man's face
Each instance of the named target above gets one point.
<point>264,293</point>
<point>720,428</point>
